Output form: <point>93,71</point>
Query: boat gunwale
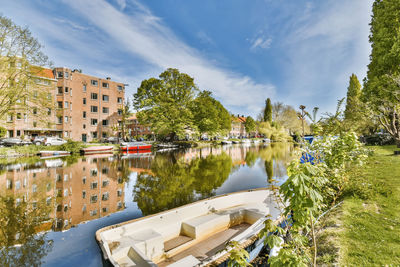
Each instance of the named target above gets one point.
<point>113,226</point>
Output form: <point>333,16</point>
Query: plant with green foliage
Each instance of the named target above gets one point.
<point>310,189</point>
<point>165,103</point>
<point>210,116</point>
<point>250,125</point>
<point>353,102</point>
<point>381,89</point>
<point>3,132</point>
<point>72,146</point>
<point>21,62</point>
<point>268,111</point>
<point>238,255</point>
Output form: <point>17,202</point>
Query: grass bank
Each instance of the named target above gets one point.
<point>365,229</point>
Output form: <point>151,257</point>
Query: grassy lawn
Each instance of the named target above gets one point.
<point>365,229</point>
<point>371,218</point>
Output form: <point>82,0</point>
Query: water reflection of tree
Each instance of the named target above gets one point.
<point>20,245</point>
<point>172,183</point>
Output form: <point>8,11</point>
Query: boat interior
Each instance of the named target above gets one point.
<point>185,236</point>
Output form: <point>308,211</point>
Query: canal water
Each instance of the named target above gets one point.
<point>50,209</point>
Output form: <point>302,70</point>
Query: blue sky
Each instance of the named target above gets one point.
<point>293,51</point>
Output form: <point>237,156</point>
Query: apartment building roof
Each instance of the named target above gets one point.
<point>42,72</point>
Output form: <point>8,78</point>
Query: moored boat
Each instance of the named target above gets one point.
<point>266,140</point>
<point>235,141</point>
<point>226,142</point>
<point>49,153</point>
<point>97,150</point>
<point>192,235</point>
<point>134,146</point>
<point>136,154</point>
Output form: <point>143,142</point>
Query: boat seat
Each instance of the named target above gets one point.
<point>204,225</point>
<point>188,261</point>
<point>148,241</point>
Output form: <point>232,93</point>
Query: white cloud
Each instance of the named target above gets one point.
<point>326,46</point>
<point>121,4</point>
<point>144,35</point>
<point>261,42</point>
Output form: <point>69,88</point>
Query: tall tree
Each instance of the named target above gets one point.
<point>250,125</point>
<point>268,111</point>
<point>21,62</point>
<point>165,103</point>
<point>353,103</point>
<point>209,115</point>
<point>381,89</point>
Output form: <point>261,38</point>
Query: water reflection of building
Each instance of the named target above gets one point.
<point>88,189</point>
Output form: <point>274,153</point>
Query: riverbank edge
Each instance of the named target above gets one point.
<point>364,230</point>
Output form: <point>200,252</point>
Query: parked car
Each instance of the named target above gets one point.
<point>15,142</point>
<point>39,140</point>
<point>111,139</point>
<point>54,141</point>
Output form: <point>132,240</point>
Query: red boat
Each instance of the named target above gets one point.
<point>135,146</point>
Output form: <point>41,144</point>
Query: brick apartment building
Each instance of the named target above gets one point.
<point>85,107</point>
<point>88,107</point>
<point>137,130</point>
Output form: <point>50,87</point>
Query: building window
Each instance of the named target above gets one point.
<point>35,94</point>
<point>105,123</point>
<point>84,126</point>
<point>59,119</point>
<point>84,114</point>
<point>93,96</point>
<point>119,111</point>
<point>65,104</point>
<point>34,124</point>
<point>66,90</point>
<point>83,194</point>
<point>105,85</point>
<point>94,82</point>
<point>119,100</point>
<point>10,117</point>
<point>60,90</point>
<point>93,185</point>
<point>120,88</point>
<point>19,116</point>
<point>94,134</point>
<point>59,74</point>
<point>93,122</point>
<point>49,111</point>
<point>84,180</point>
<point>34,111</point>
<point>93,212</point>
<point>65,134</point>
<point>105,110</point>
<point>65,119</point>
<point>93,199</point>
<point>105,98</point>
<point>59,104</point>
<point>66,74</point>
<point>84,88</point>
<point>93,109</point>
<point>18,133</point>
<point>104,197</point>
<point>84,101</point>
<point>119,192</point>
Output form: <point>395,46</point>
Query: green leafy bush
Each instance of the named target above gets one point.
<point>72,146</point>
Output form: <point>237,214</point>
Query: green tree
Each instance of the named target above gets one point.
<point>353,105</point>
<point>165,103</point>
<point>21,62</point>
<point>381,89</point>
<point>209,115</point>
<point>3,132</point>
<point>268,111</point>
<point>250,125</point>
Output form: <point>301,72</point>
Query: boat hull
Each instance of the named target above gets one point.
<point>97,150</point>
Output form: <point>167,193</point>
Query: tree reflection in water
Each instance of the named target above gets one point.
<point>20,245</point>
<point>171,183</point>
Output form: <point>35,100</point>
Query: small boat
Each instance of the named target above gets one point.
<point>135,146</point>
<point>136,154</point>
<point>192,235</point>
<point>167,145</point>
<point>97,150</point>
<point>266,140</point>
<point>246,141</point>
<point>50,153</point>
<point>226,142</point>
<point>256,141</point>
<point>235,142</point>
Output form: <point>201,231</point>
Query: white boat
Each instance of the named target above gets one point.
<point>192,235</point>
<point>235,141</point>
<point>256,141</point>
<point>266,140</point>
<point>226,142</point>
<point>246,141</point>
